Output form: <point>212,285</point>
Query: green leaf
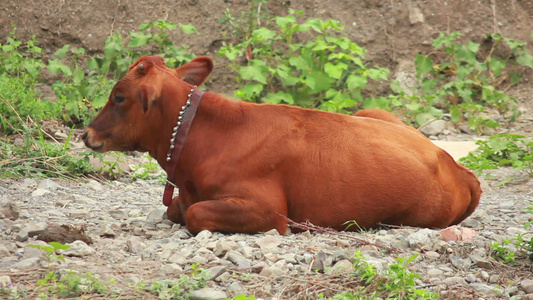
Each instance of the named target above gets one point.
<point>62,52</point>
<point>525,60</point>
<point>252,90</point>
<point>378,73</point>
<point>92,64</point>
<point>456,113</point>
<point>335,70</point>
<point>188,28</point>
<point>278,97</point>
<point>55,67</point>
<point>422,118</point>
<point>57,246</point>
<point>298,62</point>
<point>379,102</point>
<point>139,39</point>
<point>264,34</point>
<point>356,82</point>
<point>256,70</point>
<point>318,81</point>
<point>79,74</point>
<point>423,65</point>
<point>395,87</point>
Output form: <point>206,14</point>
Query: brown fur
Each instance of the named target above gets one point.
<point>246,166</point>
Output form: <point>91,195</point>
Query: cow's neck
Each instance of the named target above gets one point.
<point>178,138</point>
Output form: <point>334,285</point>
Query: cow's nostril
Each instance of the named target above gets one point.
<point>84,136</point>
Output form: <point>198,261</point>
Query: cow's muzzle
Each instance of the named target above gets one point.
<point>89,141</point>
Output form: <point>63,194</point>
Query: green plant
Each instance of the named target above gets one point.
<point>87,81</point>
<point>517,247</point>
<point>18,59</point>
<point>146,171</point>
<point>50,255</point>
<point>397,283</point>
<point>242,27</point>
<point>179,289</point>
<point>465,81</point>
<point>37,157</point>
<point>73,284</point>
<point>501,150</point>
<point>326,72</point>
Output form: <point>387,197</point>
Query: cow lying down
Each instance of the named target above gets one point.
<point>246,167</point>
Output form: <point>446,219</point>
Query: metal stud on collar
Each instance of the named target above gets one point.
<point>178,124</point>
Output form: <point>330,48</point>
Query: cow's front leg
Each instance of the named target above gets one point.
<point>235,215</point>
<point>174,212</point>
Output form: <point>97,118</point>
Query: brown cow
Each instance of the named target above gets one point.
<point>245,167</point>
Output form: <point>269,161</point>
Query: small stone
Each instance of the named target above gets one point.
<point>107,231</point>
<point>494,278</point>
<point>154,217</point>
<point>215,271</point>
<point>199,260</point>
<point>272,232</point>
<point>486,289</point>
<point>207,294</point>
<point>235,288</point>
<point>455,281</point>
<point>460,263</point>
<point>481,262</point>
<point>434,272</point>
<point>32,262</point>
<point>432,255</point>
<point>135,245</point>
<point>268,243</point>
<point>9,211</point>
<point>342,243</point>
<point>204,235</point>
<point>222,247</point>
<point>48,184</point>
<point>39,192</point>
<point>239,260</point>
<point>342,267</point>
<point>276,270</point>
<point>471,223</point>
<point>95,185</point>
<point>169,269</point>
<point>450,234</point>
<point>30,251</point>
<point>322,261</point>
<point>4,251</point>
<point>507,204</point>
<point>433,128</point>
<point>118,214</point>
<point>5,281</point>
<point>178,258</point>
<point>80,214</point>
<point>415,15</point>
<point>78,249</point>
<point>527,285</point>
<point>422,239</point>
<point>467,234</point>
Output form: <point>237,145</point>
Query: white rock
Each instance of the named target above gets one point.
<point>79,249</point>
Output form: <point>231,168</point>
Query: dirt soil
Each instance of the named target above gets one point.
<point>392,31</point>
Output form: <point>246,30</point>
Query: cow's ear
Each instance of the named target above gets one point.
<point>147,96</point>
<point>196,71</point>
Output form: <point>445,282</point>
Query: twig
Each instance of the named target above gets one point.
<point>308,226</point>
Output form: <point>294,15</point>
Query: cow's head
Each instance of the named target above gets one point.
<point>143,104</point>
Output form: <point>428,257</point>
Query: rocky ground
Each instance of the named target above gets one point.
<point>127,239</point>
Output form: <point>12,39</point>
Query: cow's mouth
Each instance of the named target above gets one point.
<point>92,146</point>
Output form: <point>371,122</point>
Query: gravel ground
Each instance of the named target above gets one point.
<point>128,240</point>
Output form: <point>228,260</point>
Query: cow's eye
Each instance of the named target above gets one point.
<point>119,99</point>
